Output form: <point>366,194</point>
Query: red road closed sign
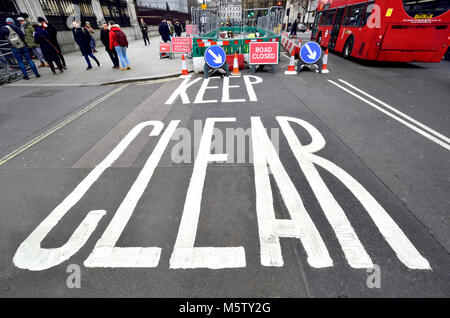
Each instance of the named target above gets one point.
<point>263,53</point>
<point>164,47</point>
<point>181,45</point>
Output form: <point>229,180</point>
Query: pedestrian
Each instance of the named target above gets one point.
<point>164,31</point>
<point>16,40</point>
<point>83,39</point>
<point>171,28</point>
<point>104,37</point>
<point>294,28</point>
<point>49,51</point>
<point>51,30</point>
<point>118,40</point>
<point>178,28</point>
<point>28,30</point>
<point>144,30</point>
<point>91,32</point>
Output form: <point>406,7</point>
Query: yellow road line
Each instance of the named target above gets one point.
<point>59,126</point>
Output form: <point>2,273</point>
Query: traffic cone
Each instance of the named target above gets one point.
<point>184,70</point>
<point>235,65</point>
<point>325,61</point>
<point>291,68</point>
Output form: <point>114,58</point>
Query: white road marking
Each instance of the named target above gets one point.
<point>185,255</point>
<point>285,55</point>
<point>226,91</point>
<point>181,91</point>
<point>201,92</point>
<point>271,229</point>
<point>30,255</point>
<point>354,251</point>
<point>404,122</point>
<point>249,86</point>
<point>391,232</point>
<point>444,138</point>
<point>105,254</point>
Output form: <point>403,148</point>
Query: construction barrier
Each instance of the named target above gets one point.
<point>289,45</point>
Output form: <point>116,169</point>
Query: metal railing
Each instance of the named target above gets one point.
<point>9,69</point>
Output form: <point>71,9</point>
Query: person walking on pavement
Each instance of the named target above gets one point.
<point>178,28</point>
<point>164,31</point>
<point>16,40</point>
<point>144,30</point>
<point>48,49</point>
<point>51,30</point>
<point>294,28</point>
<point>83,39</point>
<point>28,30</point>
<point>91,32</point>
<point>118,40</point>
<point>104,37</point>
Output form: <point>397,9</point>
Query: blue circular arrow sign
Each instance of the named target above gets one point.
<point>215,56</point>
<point>310,52</point>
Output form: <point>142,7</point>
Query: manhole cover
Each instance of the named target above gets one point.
<point>42,93</point>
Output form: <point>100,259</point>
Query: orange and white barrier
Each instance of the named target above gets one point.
<point>290,45</point>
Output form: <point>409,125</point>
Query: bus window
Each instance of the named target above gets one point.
<point>347,12</point>
<point>356,15</point>
<point>329,17</point>
<point>368,12</point>
<point>421,9</point>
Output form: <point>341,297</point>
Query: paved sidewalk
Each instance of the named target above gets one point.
<point>145,65</point>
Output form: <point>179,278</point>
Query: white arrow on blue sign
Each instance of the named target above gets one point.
<point>310,52</point>
<point>215,56</point>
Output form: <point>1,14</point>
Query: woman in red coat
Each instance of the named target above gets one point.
<point>119,42</point>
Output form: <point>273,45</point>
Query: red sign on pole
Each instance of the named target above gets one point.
<point>164,47</point>
<point>191,29</point>
<point>263,53</point>
<point>181,45</point>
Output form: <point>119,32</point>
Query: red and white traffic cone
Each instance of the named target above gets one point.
<point>291,68</point>
<point>235,65</point>
<point>184,70</point>
<point>325,61</point>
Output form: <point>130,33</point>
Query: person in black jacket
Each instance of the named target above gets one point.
<point>104,37</point>
<point>51,30</point>
<point>48,49</point>
<point>144,30</point>
<point>164,31</point>
<point>83,39</point>
<point>178,28</point>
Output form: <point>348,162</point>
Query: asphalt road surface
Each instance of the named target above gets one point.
<point>315,185</point>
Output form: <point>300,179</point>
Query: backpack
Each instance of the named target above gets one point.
<point>14,39</point>
<point>121,38</point>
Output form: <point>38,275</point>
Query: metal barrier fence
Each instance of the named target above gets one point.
<point>9,69</point>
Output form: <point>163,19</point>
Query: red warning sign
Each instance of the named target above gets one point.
<point>263,53</point>
<point>181,45</point>
<point>164,47</point>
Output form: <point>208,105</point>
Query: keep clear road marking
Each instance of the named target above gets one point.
<point>431,134</point>
<point>59,126</point>
<point>32,256</point>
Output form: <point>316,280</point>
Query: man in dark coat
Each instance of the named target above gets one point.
<point>16,39</point>
<point>83,39</point>
<point>51,30</point>
<point>164,31</point>
<point>178,28</point>
<point>48,49</point>
<point>104,37</point>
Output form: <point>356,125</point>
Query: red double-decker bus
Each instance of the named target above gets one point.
<point>384,30</point>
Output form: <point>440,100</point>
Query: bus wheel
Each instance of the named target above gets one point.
<point>348,48</point>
